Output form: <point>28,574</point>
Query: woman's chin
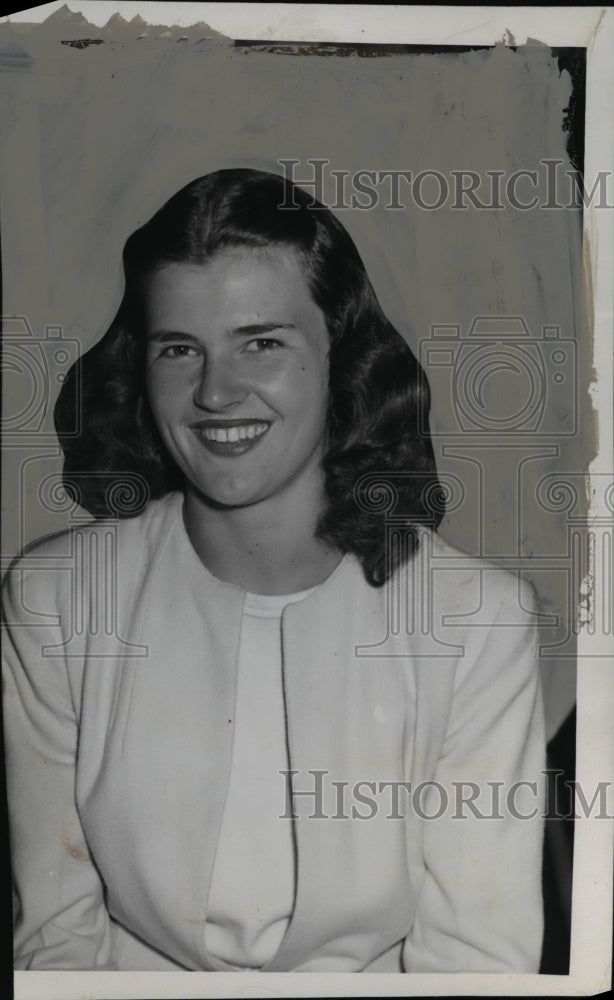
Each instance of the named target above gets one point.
<point>216,498</point>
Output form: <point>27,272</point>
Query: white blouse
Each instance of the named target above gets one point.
<point>253,884</point>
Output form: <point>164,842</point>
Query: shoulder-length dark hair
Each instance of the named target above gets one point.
<point>377,424</point>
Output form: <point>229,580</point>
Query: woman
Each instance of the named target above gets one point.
<point>222,751</point>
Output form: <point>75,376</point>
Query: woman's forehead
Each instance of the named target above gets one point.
<point>231,287</point>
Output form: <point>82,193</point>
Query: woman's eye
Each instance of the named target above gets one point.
<point>178,351</point>
<point>262,345</point>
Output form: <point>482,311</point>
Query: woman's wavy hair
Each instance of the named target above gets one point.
<point>379,456</point>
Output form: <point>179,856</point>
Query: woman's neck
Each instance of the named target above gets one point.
<point>264,548</point>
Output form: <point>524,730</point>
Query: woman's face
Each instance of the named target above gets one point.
<point>237,374</point>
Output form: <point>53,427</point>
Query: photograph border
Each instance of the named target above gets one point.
<point>590,961</point>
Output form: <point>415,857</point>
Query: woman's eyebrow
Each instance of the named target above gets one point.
<point>249,329</point>
<point>161,336</point>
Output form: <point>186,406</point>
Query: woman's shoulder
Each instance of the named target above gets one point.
<point>129,542</point>
<point>144,526</point>
<point>447,575</point>
<point>457,577</point>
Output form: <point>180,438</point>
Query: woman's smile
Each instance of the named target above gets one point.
<point>231,437</point>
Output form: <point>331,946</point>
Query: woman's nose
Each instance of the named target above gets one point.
<point>218,386</point>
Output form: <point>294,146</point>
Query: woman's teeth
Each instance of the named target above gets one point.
<point>228,435</point>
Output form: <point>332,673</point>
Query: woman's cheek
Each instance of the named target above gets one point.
<point>275,376</point>
<point>165,385</point>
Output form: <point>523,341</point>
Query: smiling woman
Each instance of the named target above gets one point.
<point>220,267</point>
<point>178,768</point>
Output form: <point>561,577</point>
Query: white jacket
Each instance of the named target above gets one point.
<point>119,687</point>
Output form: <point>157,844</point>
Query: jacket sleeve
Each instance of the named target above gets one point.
<point>480,906</point>
<point>61,920</point>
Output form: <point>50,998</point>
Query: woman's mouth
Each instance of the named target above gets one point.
<point>231,437</point>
